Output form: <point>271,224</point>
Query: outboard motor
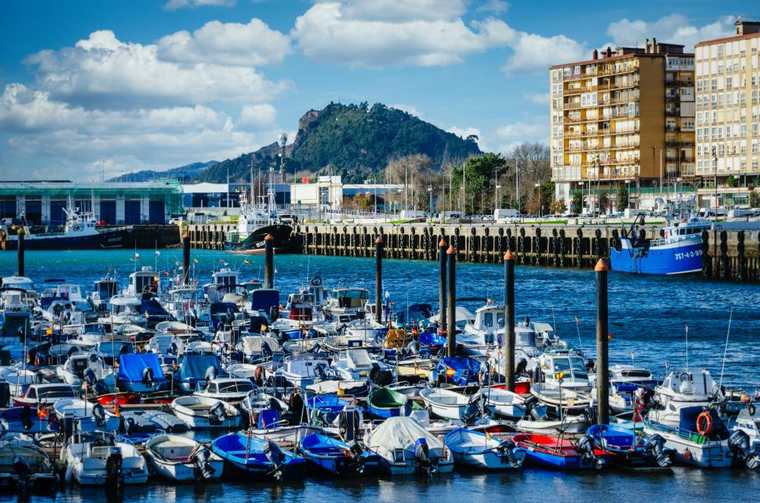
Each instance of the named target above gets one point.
<point>99,414</point>
<point>202,464</point>
<point>5,394</point>
<point>506,451</point>
<point>217,414</point>
<point>356,462</point>
<point>655,446</point>
<point>275,455</point>
<point>26,418</point>
<point>113,468</point>
<point>210,373</point>
<point>349,424</point>
<point>585,448</point>
<point>89,377</point>
<point>474,409</point>
<point>379,376</point>
<point>741,451</point>
<point>425,461</point>
<point>296,406</point>
<point>67,426</point>
<point>147,376</point>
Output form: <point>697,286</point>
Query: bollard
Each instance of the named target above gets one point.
<point>20,249</point>
<point>602,342</point>
<point>268,262</point>
<point>509,317</point>
<point>442,284</point>
<point>379,279</point>
<point>451,344</point>
<point>186,256</point>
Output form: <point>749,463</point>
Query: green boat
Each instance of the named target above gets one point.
<point>385,403</point>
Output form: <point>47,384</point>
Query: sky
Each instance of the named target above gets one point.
<point>94,89</point>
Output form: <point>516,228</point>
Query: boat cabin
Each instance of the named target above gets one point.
<point>566,370</point>
<point>146,280</point>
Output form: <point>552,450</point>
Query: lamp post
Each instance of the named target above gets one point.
<point>627,194</point>
<point>583,201</point>
<point>715,170</point>
<point>430,199</point>
<point>537,186</point>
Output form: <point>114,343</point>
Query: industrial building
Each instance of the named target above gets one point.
<point>622,117</point>
<point>43,202</point>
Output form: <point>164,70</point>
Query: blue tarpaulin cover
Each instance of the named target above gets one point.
<point>132,365</point>
<point>196,365</point>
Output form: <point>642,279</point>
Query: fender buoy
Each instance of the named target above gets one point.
<point>704,423</point>
<point>751,409</point>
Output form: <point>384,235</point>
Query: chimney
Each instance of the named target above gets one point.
<point>654,46</point>
<point>595,55</point>
<point>646,46</point>
<point>609,52</point>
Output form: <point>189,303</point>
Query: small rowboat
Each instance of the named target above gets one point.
<point>181,459</point>
<point>249,455</point>
<point>558,452</point>
<point>479,450</point>
<point>384,403</point>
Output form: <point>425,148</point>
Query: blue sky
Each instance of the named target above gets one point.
<point>89,88</point>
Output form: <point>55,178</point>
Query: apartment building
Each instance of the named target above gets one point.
<point>728,107</point>
<point>622,117</point>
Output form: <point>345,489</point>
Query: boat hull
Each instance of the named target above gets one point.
<point>254,243</point>
<point>682,257</point>
<point>109,238</point>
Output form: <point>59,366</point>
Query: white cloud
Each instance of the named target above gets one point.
<point>181,4</point>
<point>424,33</point>
<point>102,71</point>
<point>251,44</point>
<point>494,6</point>
<point>675,29</point>
<point>511,135</point>
<point>536,52</point>
<point>257,116</point>
<point>80,140</point>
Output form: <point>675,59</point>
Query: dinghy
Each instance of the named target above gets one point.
<point>568,424</point>
<point>180,459</point>
<point>202,413</point>
<point>570,401</point>
<point>476,449</point>
<point>249,455</point>
<point>406,447</point>
<point>384,403</point>
<point>558,452</point>
<point>331,455</point>
<point>621,446</point>
<point>25,467</point>
<point>448,404</point>
<point>505,403</point>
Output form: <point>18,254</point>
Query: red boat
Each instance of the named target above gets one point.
<point>118,399</point>
<point>559,452</point>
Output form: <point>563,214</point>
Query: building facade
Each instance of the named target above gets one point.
<point>43,203</point>
<point>728,107</point>
<point>623,117</point>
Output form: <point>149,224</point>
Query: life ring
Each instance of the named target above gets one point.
<point>704,423</point>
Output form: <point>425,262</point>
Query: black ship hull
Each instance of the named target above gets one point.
<point>108,238</point>
<point>283,242</point>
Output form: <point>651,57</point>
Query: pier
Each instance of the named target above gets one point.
<point>731,255</point>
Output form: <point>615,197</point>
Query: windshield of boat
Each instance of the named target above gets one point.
<point>55,392</point>
<point>574,363</point>
<point>235,387</point>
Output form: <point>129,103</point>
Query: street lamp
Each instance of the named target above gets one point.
<point>430,199</point>
<point>583,202</point>
<point>627,194</point>
<point>538,186</point>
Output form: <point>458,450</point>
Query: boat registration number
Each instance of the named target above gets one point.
<point>689,254</point>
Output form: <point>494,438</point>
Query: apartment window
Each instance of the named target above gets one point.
<point>714,85</point>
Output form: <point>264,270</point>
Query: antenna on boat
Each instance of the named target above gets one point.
<point>578,330</point>
<point>725,347</point>
<point>554,322</point>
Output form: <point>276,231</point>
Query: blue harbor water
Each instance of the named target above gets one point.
<point>648,320</point>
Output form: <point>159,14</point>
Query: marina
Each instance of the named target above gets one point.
<point>569,315</point>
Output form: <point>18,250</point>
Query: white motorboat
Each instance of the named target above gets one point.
<point>445,403</point>
<point>566,369</point>
<point>302,370</point>
<point>406,447</point>
<point>570,400</point>
<point>228,389</point>
<point>205,413</point>
<point>478,450</point>
<point>89,417</point>
<point>679,390</point>
<point>181,459</point>
<point>96,460</point>
<point>78,365</point>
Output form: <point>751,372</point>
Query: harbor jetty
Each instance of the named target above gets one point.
<point>732,254</point>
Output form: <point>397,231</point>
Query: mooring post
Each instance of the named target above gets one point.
<point>509,316</point>
<point>602,344</point>
<point>185,255</point>
<point>379,279</point>
<point>451,345</point>
<point>20,248</point>
<point>269,261</point>
<point>442,285</point>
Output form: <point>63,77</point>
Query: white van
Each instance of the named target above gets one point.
<point>505,214</point>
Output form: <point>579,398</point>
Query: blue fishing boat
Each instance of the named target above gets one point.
<point>456,370</point>
<point>248,455</point>
<point>327,407</point>
<point>678,251</point>
<point>141,373</point>
<point>332,455</point>
<point>558,452</point>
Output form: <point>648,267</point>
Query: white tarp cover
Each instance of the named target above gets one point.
<point>400,433</point>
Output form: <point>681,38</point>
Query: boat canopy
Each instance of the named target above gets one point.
<point>132,367</point>
<point>401,432</point>
<point>264,299</point>
<point>196,366</point>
